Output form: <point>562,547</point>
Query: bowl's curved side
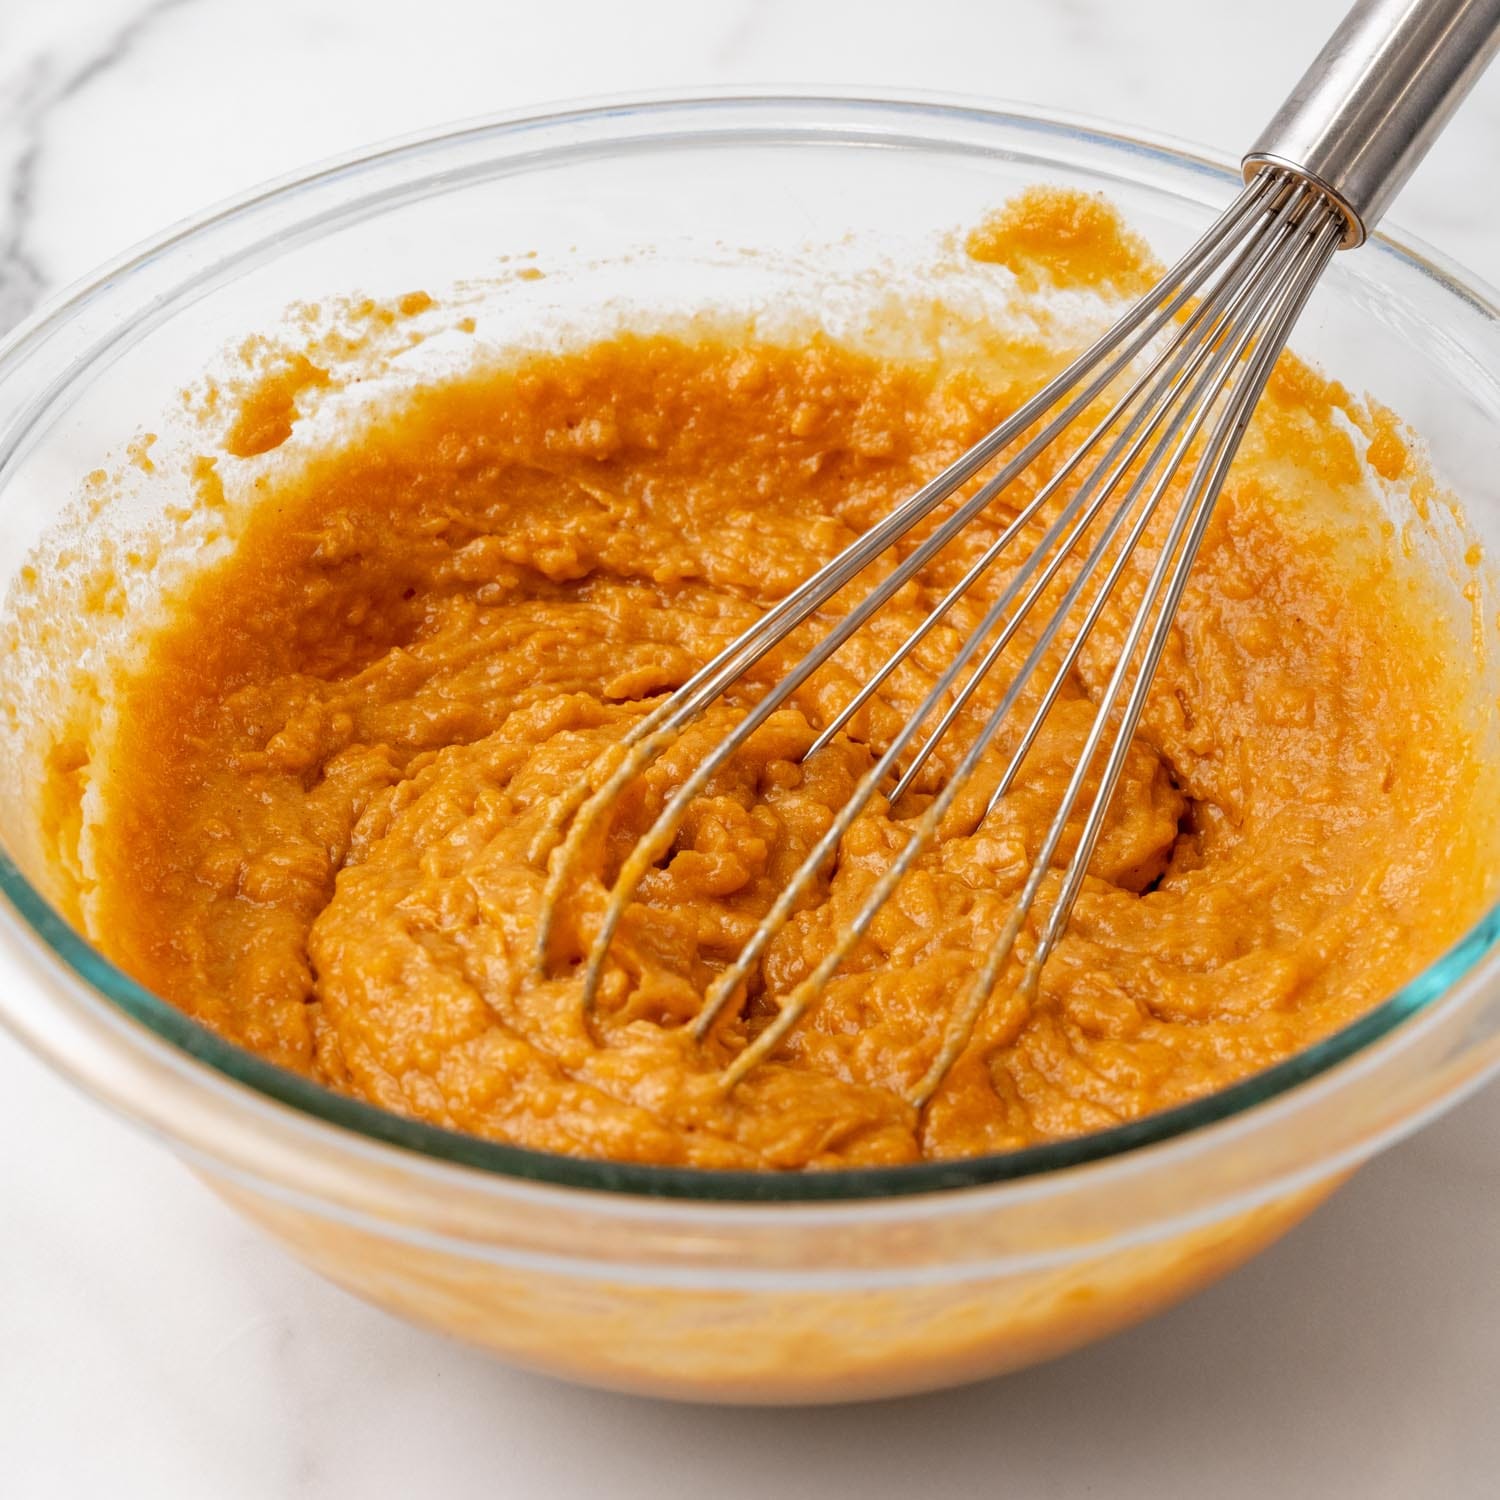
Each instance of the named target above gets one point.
<point>281,1139</point>
<point>775,1347</point>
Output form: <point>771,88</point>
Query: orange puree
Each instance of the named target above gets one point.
<point>332,766</point>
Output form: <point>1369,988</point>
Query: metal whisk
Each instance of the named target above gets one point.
<point>1179,377</point>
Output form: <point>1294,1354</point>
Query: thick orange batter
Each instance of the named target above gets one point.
<point>332,769</point>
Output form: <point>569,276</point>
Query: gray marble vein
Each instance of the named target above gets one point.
<point>47,83</point>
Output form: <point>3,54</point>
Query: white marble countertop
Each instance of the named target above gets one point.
<point>152,1345</point>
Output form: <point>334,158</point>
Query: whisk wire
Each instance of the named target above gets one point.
<point>581,812</point>
<point>1215,312</point>
<point>1186,361</point>
<point>1162,597</point>
<point>1200,346</point>
<point>796,1005</point>
<point>1248,307</point>
<point>1028,513</point>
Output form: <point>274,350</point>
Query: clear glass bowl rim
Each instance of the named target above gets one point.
<point>601,121</point>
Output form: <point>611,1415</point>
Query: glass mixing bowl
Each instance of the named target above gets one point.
<point>726,1287</point>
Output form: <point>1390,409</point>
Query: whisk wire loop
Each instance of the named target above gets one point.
<point>1163,594</point>
<point>577,816</point>
<point>1184,429</point>
<point>1213,315</point>
<point>1191,358</point>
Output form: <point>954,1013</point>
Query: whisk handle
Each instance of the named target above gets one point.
<point>1376,97</point>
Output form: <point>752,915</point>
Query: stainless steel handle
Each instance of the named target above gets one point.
<point>1376,97</point>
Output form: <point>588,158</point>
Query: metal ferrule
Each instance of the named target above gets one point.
<point>1376,97</point>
